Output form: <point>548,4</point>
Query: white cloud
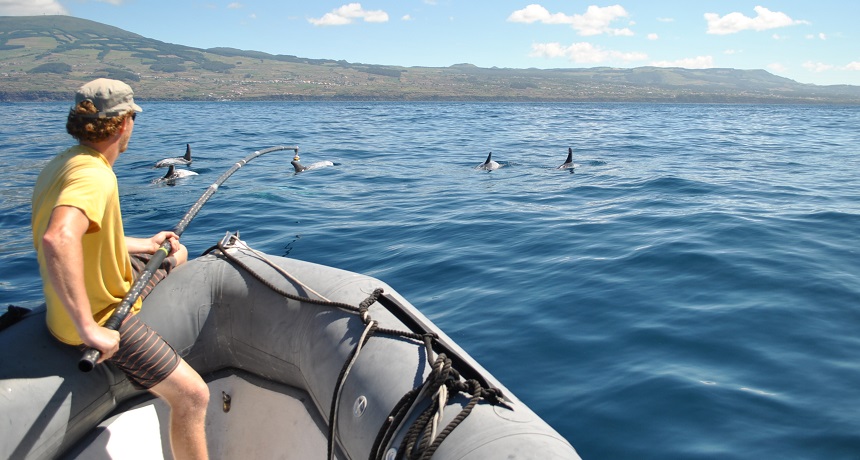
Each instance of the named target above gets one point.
<point>736,22</point>
<point>698,62</point>
<point>534,13</point>
<point>817,66</point>
<point>235,6</point>
<point>406,17</point>
<point>777,67</point>
<point>653,37</point>
<point>346,14</point>
<point>820,36</point>
<point>730,52</point>
<point>582,53</point>
<point>31,7</point>
<point>595,21</point>
<point>665,19</point>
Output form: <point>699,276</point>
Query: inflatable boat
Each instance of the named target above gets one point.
<point>303,361</point>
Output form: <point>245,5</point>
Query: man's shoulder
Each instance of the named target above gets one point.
<point>80,154</point>
<point>84,161</point>
<point>75,169</point>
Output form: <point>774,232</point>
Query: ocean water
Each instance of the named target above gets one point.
<point>690,291</point>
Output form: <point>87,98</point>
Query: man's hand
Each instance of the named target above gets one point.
<point>151,244</point>
<point>102,339</point>
<point>159,238</point>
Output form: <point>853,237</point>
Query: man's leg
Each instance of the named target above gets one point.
<point>151,363</point>
<point>183,389</point>
<point>187,395</point>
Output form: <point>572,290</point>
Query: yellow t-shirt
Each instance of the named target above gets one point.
<point>83,178</point>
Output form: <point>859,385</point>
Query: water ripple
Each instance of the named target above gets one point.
<point>690,290</point>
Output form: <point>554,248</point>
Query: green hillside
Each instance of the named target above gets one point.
<point>47,57</point>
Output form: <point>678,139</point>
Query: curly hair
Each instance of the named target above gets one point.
<point>83,127</point>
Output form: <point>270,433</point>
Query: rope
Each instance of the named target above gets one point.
<point>332,426</point>
<point>280,270</point>
<point>268,284</point>
<point>440,373</point>
<point>441,399</point>
<point>397,415</point>
<point>423,437</point>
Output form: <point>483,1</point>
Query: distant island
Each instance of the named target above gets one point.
<point>44,58</point>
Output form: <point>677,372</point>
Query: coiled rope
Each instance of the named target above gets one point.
<point>423,437</point>
<point>442,382</point>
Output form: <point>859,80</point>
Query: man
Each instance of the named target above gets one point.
<point>86,261</point>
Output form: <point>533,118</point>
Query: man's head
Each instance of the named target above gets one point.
<point>101,107</point>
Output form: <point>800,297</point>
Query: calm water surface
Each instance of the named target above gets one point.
<point>691,290</point>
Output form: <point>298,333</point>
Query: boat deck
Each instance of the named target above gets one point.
<point>263,420</point>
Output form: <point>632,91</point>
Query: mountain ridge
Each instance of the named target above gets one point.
<point>39,54</point>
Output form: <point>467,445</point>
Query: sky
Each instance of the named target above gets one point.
<point>814,42</point>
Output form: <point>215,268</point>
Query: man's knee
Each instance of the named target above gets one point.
<point>184,390</point>
<point>195,392</point>
<point>201,393</point>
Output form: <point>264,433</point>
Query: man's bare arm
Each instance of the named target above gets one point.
<point>64,260</point>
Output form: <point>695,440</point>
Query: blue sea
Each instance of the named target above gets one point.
<point>690,291</point>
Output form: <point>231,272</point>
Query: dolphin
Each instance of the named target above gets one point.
<point>299,167</point>
<point>183,160</point>
<point>489,164</point>
<point>173,174</point>
<point>568,164</point>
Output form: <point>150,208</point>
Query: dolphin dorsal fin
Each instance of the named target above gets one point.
<point>187,152</point>
<point>569,155</point>
<point>171,170</point>
<point>489,158</point>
